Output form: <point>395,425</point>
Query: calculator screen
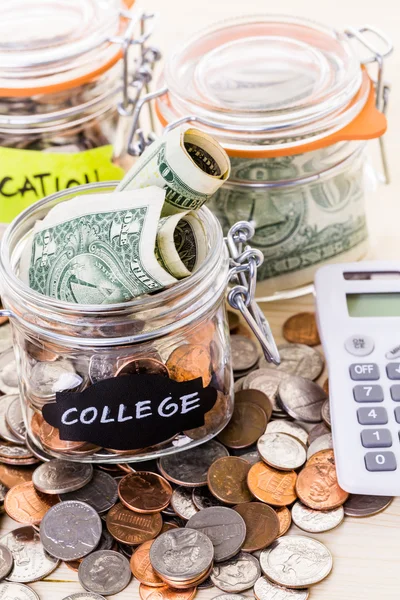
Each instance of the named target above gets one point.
<point>373,305</point>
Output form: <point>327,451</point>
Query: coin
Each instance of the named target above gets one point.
<point>190,361</point>
<point>324,442</point>
<point>47,378</point>
<point>165,593</point>
<point>244,353</point>
<point>101,493</point>
<point>296,561</point>
<point>325,386</point>
<point>317,431</point>
<point>70,530</point>
<point>302,329</point>
<point>285,519</point>
<point>266,381</point>
<point>272,486</point>
<point>16,591</point>
<point>225,528</point>
<point>104,572</point>
<point>182,502</point>
<point>144,492</point>
<point>8,372</point>
<point>266,590</point>
<point>251,454</point>
<point>326,413</point>
<point>236,574</point>
<point>297,359</point>
<point>203,498</point>
<point>262,525</point>
<point>141,566</point>
<point>322,457</point>
<point>101,367</point>
<point>289,427</point>
<point>282,451</point>
<point>84,596</point>
<point>60,476</point>
<point>50,438</point>
<point>191,467</point>
<point>15,419</point>
<point>142,366</point>
<point>8,450</point>
<point>6,561</point>
<point>255,397</point>
<point>317,487</point>
<point>31,562</point>
<point>26,505</point>
<point>358,505</point>
<point>5,433</point>
<point>301,398</point>
<point>132,528</point>
<point>248,422</point>
<point>227,480</point>
<point>214,419</point>
<point>316,521</point>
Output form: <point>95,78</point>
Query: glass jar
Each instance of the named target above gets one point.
<point>70,72</point>
<point>292,103</point>
<point>179,335</point>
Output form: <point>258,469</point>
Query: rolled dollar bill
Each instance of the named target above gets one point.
<point>188,164</point>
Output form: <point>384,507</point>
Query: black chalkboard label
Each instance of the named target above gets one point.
<point>130,412</point>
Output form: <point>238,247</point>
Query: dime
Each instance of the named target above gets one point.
<point>31,562</point>
<point>101,367</point>
<point>165,593</point>
<point>317,431</point>
<point>324,442</point>
<point>16,591</point>
<point>248,422</point>
<point>190,361</point>
<point>104,572</point>
<point>316,521</point>
<point>145,492</point>
<point>289,427</point>
<point>302,329</point>
<point>236,574</point>
<point>326,413</point>
<point>272,486</point>
<point>266,381</point>
<point>317,487</point>
<point>244,353</point>
<point>141,566</point>
<point>282,451</point>
<point>285,519</point>
<point>84,596</point>
<point>365,506</point>
<point>26,505</point>
<point>8,373</point>
<point>297,359</point>
<point>6,561</point>
<point>296,561</point>
<point>203,498</point>
<point>101,493</point>
<point>225,528</point>
<point>60,476</point>
<point>141,366</point>
<point>191,467</point>
<point>255,397</point>
<point>70,530</point>
<point>262,525</point>
<point>5,432</point>
<point>132,528</point>
<point>266,590</point>
<point>301,398</point>
<point>182,502</point>
<point>227,480</point>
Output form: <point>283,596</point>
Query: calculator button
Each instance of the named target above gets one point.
<point>380,461</point>
<point>395,392</point>
<point>393,370</point>
<point>376,438</point>
<point>368,393</point>
<point>393,353</point>
<point>364,372</point>
<point>376,415</point>
<point>397,414</point>
<point>359,345</point>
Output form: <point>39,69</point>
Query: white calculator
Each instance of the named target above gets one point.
<point>358,313</point>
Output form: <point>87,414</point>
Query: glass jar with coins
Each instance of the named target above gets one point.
<point>293,104</point>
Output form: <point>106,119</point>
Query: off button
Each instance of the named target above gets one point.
<point>359,345</point>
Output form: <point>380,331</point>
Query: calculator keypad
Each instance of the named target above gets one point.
<point>376,438</point>
<point>393,370</point>
<point>368,393</point>
<point>372,415</point>
<point>364,372</point>
<point>380,461</point>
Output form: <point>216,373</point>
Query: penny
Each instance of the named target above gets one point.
<point>266,590</point>
<point>165,593</point>
<point>272,486</point>
<point>227,480</point>
<point>26,505</point>
<point>282,451</point>
<point>248,422</point>
<point>289,427</point>
<point>36,423</point>
<point>84,596</point>
<point>203,498</point>
<point>316,521</point>
<point>296,561</point>
<point>182,502</point>
<point>191,467</point>
<point>8,373</point>
<point>255,397</point>
<point>326,413</point>
<point>324,442</point>
<point>302,329</point>
<point>262,525</point>
<point>141,566</point>
<point>285,519</point>
<point>145,492</point>
<point>244,353</point>
<point>358,505</point>
<point>266,381</point>
<point>190,361</point>
<point>317,431</point>
<point>317,487</point>
<point>142,366</point>
<point>31,562</point>
<point>6,561</point>
<point>5,432</point>
<point>297,359</point>
<point>50,438</point>
<point>168,525</point>
<point>225,528</point>
<point>236,574</point>
<point>101,493</point>
<point>105,572</point>
<point>301,398</point>
<point>60,476</point>
<point>325,457</point>
<point>132,528</point>
<point>16,591</point>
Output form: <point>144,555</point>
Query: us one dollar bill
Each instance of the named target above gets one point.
<point>188,164</point>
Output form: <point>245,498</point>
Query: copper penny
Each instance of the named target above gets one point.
<point>247,424</point>
<point>190,361</point>
<point>26,505</point>
<point>302,329</point>
<point>272,486</point>
<point>255,397</point>
<point>141,566</point>
<point>322,457</point>
<point>132,528</point>
<point>11,476</point>
<point>203,334</point>
<point>73,565</point>
<point>143,366</point>
<point>145,492</point>
<point>50,438</point>
<point>36,423</point>
<point>318,488</point>
<point>227,480</point>
<point>285,519</point>
<point>165,593</point>
<point>262,525</point>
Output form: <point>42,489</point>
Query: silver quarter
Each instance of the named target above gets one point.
<point>266,590</point>
<point>5,433</point>
<point>203,498</point>
<point>6,561</point>
<point>105,572</point>
<point>225,528</point>
<point>236,574</point>
<point>267,381</point>
<point>301,398</point>
<point>16,591</point>
<point>15,419</point>
<point>8,373</point>
<point>317,431</point>
<point>326,413</point>
<point>191,467</point>
<point>316,521</point>
<point>31,562</point>
<point>244,353</point>
<point>101,492</point>
<point>282,451</point>
<point>61,476</point>
<point>70,530</point>
<point>84,596</point>
<point>182,502</point>
<point>358,505</point>
<point>324,442</point>
<point>289,427</point>
<point>297,359</point>
<point>296,561</point>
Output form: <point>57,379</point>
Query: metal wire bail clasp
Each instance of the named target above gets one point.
<point>244,263</point>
